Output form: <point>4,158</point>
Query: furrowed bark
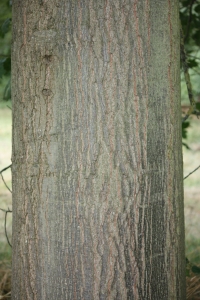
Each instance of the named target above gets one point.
<point>97,158</point>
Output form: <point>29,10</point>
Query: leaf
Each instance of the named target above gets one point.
<point>192,63</point>
<point>2,70</point>
<point>7,92</point>
<point>5,27</point>
<point>185,2</point>
<point>197,8</point>
<point>185,125</point>
<point>187,273</point>
<point>195,269</point>
<point>196,37</point>
<point>198,106</point>
<point>7,64</point>
<point>196,21</point>
<point>191,267</point>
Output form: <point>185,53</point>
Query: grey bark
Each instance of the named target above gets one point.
<point>97,158</point>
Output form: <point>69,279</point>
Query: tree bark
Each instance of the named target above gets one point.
<point>97,156</point>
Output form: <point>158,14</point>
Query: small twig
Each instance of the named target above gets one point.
<point>185,118</point>
<point>3,177</point>
<point>5,183</point>
<point>5,224</point>
<point>197,113</point>
<point>9,107</point>
<point>6,296</point>
<point>5,169</point>
<point>184,144</point>
<point>191,173</point>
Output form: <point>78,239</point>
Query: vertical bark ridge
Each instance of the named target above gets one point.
<point>97,171</point>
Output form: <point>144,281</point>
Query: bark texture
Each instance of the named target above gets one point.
<point>97,158</point>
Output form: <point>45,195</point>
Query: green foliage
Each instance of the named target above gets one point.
<point>191,269</point>
<point>5,66</point>
<point>190,20</point>
<point>7,91</point>
<point>2,70</point>
<point>195,269</point>
<point>185,126</point>
<point>184,129</point>
<point>192,63</point>
<point>193,250</point>
<point>5,27</point>
<point>5,46</point>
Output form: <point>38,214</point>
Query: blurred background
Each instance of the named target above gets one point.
<point>5,126</point>
<point>190,19</point>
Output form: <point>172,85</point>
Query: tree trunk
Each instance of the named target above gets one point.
<point>97,158</point>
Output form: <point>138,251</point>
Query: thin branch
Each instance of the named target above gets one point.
<point>185,118</point>
<point>191,173</point>
<point>5,169</point>
<point>5,224</point>
<point>6,296</point>
<point>187,147</point>
<point>3,177</point>
<point>5,183</point>
<point>197,113</point>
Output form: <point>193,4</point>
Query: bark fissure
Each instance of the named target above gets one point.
<point>97,163</point>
